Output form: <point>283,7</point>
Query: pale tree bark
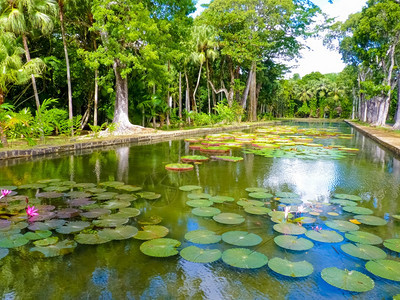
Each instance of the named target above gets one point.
<point>397,116</point>
<point>187,93</point>
<point>247,89</point>
<point>96,96</point>
<point>180,95</point>
<point>253,94</point>
<point>28,59</point>
<point>196,87</point>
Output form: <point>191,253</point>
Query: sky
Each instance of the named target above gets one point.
<point>318,58</point>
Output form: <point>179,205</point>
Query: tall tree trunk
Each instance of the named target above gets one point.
<point>28,58</point>
<point>3,137</point>
<point>187,94</point>
<point>61,15</point>
<point>253,94</point>
<point>195,89</point>
<point>208,88</point>
<point>247,89</point>
<point>96,96</point>
<point>180,95</point>
<point>397,116</point>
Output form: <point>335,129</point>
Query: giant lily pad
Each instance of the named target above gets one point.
<point>229,158</point>
<point>118,233</point>
<point>363,237</point>
<point>194,158</point>
<point>370,220</point>
<point>358,210</point>
<point>260,195</point>
<point>73,226</point>
<point>199,203</point>
<point>229,218</point>
<point>221,199</point>
<point>13,241</point>
<point>289,228</point>
<point>367,252</point>
<point>347,197</point>
<point>205,211</point>
<point>160,247</point>
<point>190,188</point>
<point>289,268</point>
<point>244,258</point>
<point>179,167</point>
<point>257,210</point>
<point>91,238</point>
<point>352,281</point>
<point>202,237</point>
<point>392,244</point>
<point>324,236</point>
<point>342,225</point>
<point>198,255</point>
<point>150,232</point>
<point>241,238</point>
<point>388,269</point>
<point>61,248</point>
<point>293,242</point>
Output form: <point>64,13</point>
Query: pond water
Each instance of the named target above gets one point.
<point>119,270</point>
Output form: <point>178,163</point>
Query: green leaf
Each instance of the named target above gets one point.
<point>289,228</point>
<point>202,237</point>
<point>347,197</point>
<point>13,241</point>
<point>61,248</point>
<point>260,195</point>
<point>289,268</point>
<point>199,203</point>
<point>37,235</point>
<point>370,220</point>
<point>229,218</point>
<point>363,237</point>
<point>244,258</point>
<point>205,211</point>
<point>358,210</point>
<point>198,255</point>
<point>352,281</point>
<point>118,233</point>
<point>324,236</point>
<point>91,238</point>
<point>73,226</point>
<point>392,244</point>
<point>342,225</point>
<point>161,247</point>
<point>179,167</point>
<point>293,242</point>
<point>366,252</point>
<point>256,190</point>
<point>241,238</point>
<point>150,232</point>
<point>256,210</point>
<point>388,269</point>
<point>247,202</point>
<point>221,199</point>
<point>190,188</point>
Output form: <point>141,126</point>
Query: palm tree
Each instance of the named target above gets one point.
<point>204,44</point>
<point>22,17</point>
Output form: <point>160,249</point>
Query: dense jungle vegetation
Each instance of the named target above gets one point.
<point>70,65</point>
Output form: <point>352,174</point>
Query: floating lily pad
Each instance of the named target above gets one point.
<point>229,158</point>
<point>84,185</point>
<point>194,158</point>
<point>160,247</point>
<point>126,197</point>
<point>342,225</point>
<point>198,255</point>
<point>105,196</point>
<point>37,235</point>
<point>179,167</point>
<point>289,228</point>
<point>113,220</point>
<point>358,210</point>
<point>388,269</point>
<point>278,216</point>
<point>61,248</point>
<point>305,220</point>
<point>370,220</point>
<point>199,203</point>
<point>229,218</point>
<point>56,188</point>
<point>128,212</point>
<point>290,201</point>
<point>150,232</point>
<point>67,213</point>
<point>392,244</point>
<point>152,220</point>
<point>257,210</point>
<point>366,252</point>
<point>341,202</point>
<point>347,197</point>
<point>260,195</point>
<point>3,252</point>
<point>46,242</point>
<point>190,188</point>
<point>96,190</point>
<point>112,184</point>
<point>206,211</point>
<point>73,226</point>
<point>47,181</point>
<point>118,233</point>
<point>195,196</point>
<point>80,202</point>
<point>129,188</point>
<point>363,237</point>
<point>397,217</point>
<point>77,194</point>
<point>203,237</point>
<point>286,195</point>
<point>91,238</point>
<point>95,213</point>
<point>293,242</point>
<point>49,195</point>
<point>241,238</point>
<point>244,258</point>
<point>289,268</point>
<point>352,281</point>
<point>256,190</point>
<point>149,195</point>
<point>33,186</point>
<point>324,236</point>
<point>13,241</point>
<point>248,202</point>
<point>221,199</point>
<point>115,204</point>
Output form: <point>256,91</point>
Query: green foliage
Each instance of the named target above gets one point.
<point>228,114</point>
<point>201,119</point>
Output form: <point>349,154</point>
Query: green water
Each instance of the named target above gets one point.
<point>118,270</point>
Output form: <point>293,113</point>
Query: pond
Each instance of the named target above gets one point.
<point>332,184</point>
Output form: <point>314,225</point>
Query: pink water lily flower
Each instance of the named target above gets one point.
<point>31,211</point>
<point>5,193</point>
<point>301,209</point>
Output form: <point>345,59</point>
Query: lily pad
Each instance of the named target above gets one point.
<point>196,196</point>
<point>289,228</point>
<point>80,202</point>
<point>248,202</point>
<point>229,218</point>
<point>293,242</point>
<point>112,184</point>
<point>13,241</point>
<point>152,220</point>
<point>260,195</point>
<point>370,220</point>
<point>363,237</point>
<point>115,204</point>
<point>179,167</point>
<point>118,233</point>
<point>190,188</point>
<point>229,158</point>
<point>84,185</point>
<point>352,281</point>
<point>160,247</point>
<point>194,158</point>
<point>256,190</point>
<point>289,268</point>
<point>343,202</point>
<point>347,197</point>
<point>286,195</point>
<point>91,238</point>
<point>241,238</point>
<point>257,210</point>
<point>388,269</point>
<point>77,194</point>
<point>199,203</point>
<point>221,199</point>
<point>73,226</point>
<point>61,248</point>
<point>46,242</point>
<point>113,220</point>
<point>342,225</point>
<point>366,252</point>
<point>203,237</point>
<point>392,244</point>
<point>67,213</point>
<point>128,212</point>
<point>37,235</point>
<point>126,197</point>
<point>49,195</point>
<point>129,188</point>
<point>290,201</point>
<point>205,211</point>
<point>150,232</point>
<point>33,186</point>
<point>149,195</point>
<point>358,210</point>
<point>105,196</point>
<point>95,213</point>
<point>324,236</point>
<point>244,258</point>
<point>198,255</point>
